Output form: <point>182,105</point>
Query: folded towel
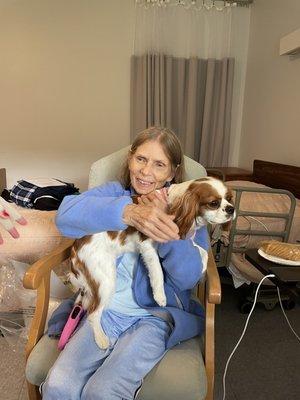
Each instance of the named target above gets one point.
<point>59,317</point>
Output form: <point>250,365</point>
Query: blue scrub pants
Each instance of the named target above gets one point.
<point>85,372</point>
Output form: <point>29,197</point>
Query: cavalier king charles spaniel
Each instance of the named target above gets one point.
<point>93,258</point>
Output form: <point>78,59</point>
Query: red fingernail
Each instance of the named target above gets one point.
<point>14,233</point>
<point>22,221</point>
<point>4,214</point>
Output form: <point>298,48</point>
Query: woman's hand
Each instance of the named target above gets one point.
<point>150,218</point>
<point>158,198</point>
<point>8,217</point>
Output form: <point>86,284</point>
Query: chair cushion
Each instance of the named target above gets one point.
<point>179,375</point>
<point>41,359</point>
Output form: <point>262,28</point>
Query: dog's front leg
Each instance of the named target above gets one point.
<point>156,275</point>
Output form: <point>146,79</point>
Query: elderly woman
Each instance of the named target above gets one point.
<point>140,332</point>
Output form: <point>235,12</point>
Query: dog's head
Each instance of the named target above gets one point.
<point>198,202</point>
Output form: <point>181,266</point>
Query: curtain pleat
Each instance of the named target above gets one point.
<point>191,96</point>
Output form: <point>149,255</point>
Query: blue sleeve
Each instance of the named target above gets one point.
<point>59,317</point>
<point>97,210</point>
<point>181,259</point>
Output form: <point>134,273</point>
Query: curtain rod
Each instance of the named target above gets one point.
<point>241,3</point>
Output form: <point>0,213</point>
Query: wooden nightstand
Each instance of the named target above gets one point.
<point>230,173</point>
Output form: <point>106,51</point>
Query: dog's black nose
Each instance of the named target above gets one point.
<point>229,210</point>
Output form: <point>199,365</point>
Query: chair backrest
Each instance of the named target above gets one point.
<point>107,168</point>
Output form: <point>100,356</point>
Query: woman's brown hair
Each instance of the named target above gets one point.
<point>171,146</point>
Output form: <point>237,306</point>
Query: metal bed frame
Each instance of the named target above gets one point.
<point>223,253</point>
<point>288,217</point>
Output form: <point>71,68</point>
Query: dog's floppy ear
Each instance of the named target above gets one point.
<point>184,209</point>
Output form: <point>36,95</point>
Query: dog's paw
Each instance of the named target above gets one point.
<point>102,340</point>
<point>160,298</point>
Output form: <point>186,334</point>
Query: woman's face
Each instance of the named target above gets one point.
<point>149,168</point>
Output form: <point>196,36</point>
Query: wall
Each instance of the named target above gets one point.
<point>64,85</point>
<point>65,82</point>
<point>271,116</point>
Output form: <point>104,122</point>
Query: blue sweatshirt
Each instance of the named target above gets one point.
<point>101,209</point>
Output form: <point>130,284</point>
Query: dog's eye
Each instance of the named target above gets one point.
<point>214,204</point>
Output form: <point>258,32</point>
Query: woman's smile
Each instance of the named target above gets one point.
<point>142,186</point>
<point>144,183</point>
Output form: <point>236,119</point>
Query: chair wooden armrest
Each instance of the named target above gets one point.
<point>209,293</point>
<point>38,277</point>
<point>213,281</point>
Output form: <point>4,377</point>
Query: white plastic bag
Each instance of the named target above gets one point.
<point>16,306</point>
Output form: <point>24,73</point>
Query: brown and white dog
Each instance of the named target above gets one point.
<point>194,204</point>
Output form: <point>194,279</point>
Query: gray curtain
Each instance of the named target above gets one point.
<point>191,96</point>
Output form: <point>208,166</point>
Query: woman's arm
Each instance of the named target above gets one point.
<point>182,260</point>
<point>109,208</point>
<point>97,210</point>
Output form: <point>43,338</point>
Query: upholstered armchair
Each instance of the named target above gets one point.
<point>186,371</point>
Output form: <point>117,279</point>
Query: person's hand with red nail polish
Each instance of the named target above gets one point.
<point>8,217</point>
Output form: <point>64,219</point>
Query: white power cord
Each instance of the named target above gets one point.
<point>247,237</point>
<point>246,324</point>
<point>260,222</point>
<point>285,316</point>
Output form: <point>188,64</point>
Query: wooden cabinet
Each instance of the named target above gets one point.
<point>230,173</point>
